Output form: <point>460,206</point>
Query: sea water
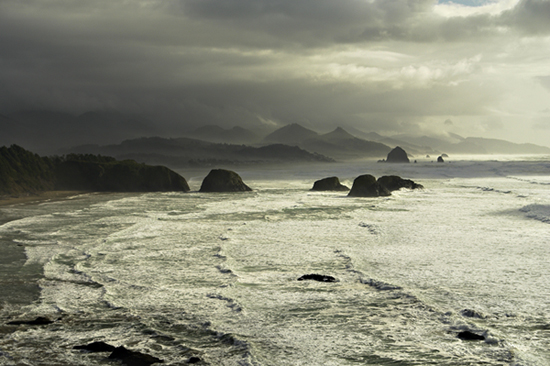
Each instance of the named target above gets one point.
<point>214,275</point>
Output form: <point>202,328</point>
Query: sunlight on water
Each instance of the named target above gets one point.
<point>215,276</point>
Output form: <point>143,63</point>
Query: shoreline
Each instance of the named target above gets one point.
<point>38,197</point>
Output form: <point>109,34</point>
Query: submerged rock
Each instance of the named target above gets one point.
<point>397,155</point>
<point>469,313</point>
<point>96,347</point>
<point>470,336</point>
<point>317,277</point>
<point>133,358</point>
<point>329,184</point>
<point>367,186</point>
<point>394,183</point>
<point>38,321</point>
<point>221,180</point>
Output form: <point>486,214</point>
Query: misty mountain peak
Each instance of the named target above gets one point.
<point>339,133</point>
<point>290,134</point>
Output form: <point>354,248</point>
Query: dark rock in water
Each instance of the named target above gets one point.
<point>469,336</point>
<point>440,159</point>
<point>444,155</point>
<point>194,360</point>
<point>38,321</point>
<point>397,155</point>
<point>133,358</point>
<point>469,313</point>
<point>329,184</point>
<point>96,347</point>
<point>317,277</point>
<point>367,186</point>
<point>394,183</point>
<point>221,180</point>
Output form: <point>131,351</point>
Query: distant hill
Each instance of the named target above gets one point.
<point>185,152</point>
<point>291,134</point>
<point>342,145</point>
<point>456,144</point>
<point>495,146</point>
<point>235,135</point>
<point>23,172</point>
<point>411,148</point>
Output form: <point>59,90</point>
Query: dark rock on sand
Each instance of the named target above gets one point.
<point>367,186</point>
<point>394,183</point>
<point>397,155</point>
<point>221,180</point>
<point>317,277</point>
<point>133,358</point>
<point>96,347</point>
<point>329,184</point>
<point>38,321</point>
<point>470,336</point>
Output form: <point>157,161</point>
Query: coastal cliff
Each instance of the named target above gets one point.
<point>23,172</point>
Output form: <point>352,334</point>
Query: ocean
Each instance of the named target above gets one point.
<point>214,275</point>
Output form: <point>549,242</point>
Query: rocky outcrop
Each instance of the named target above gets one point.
<point>96,347</point>
<point>133,358</point>
<point>397,155</point>
<point>317,277</point>
<point>38,321</point>
<point>117,176</point>
<point>221,180</point>
<point>394,183</point>
<point>367,186</point>
<point>440,159</point>
<point>22,172</point>
<point>470,336</point>
<point>329,184</point>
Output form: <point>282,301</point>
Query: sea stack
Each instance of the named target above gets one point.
<point>329,184</point>
<point>367,186</point>
<point>221,180</point>
<point>394,183</point>
<point>397,155</point>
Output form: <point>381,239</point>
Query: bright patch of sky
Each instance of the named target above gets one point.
<point>468,2</point>
<point>464,8</point>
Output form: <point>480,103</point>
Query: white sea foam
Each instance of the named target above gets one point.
<point>215,275</point>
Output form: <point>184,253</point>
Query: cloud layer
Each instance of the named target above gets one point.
<point>378,65</point>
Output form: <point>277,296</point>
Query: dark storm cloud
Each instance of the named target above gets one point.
<point>529,16</point>
<point>382,63</point>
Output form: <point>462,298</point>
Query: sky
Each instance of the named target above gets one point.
<point>473,67</point>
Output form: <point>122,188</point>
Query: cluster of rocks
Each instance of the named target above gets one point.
<point>367,185</point>
<point>398,155</point>
<point>121,353</point>
<point>221,180</point>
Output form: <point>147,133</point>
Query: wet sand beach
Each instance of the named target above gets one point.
<point>31,198</point>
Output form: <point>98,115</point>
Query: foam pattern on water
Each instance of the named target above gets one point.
<point>215,275</point>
